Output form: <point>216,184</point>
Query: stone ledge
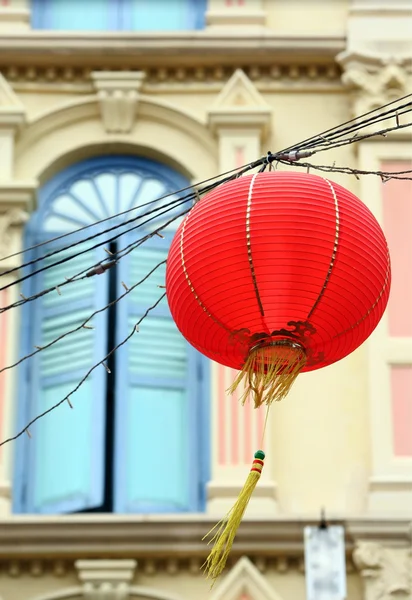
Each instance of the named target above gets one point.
<point>187,48</point>
<point>17,194</point>
<point>165,536</point>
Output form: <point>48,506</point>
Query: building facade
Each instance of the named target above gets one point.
<point>105,106</point>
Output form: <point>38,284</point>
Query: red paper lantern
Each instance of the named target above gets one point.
<point>278,256</point>
<point>273,274</point>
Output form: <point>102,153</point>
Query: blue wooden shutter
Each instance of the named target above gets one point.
<point>162,15</point>
<point>70,15</point>
<point>158,465</point>
<point>62,465</point>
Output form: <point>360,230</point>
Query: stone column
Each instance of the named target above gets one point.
<point>241,121</point>
<point>15,200</point>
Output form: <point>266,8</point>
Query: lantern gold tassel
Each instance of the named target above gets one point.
<point>270,371</point>
<point>227,528</point>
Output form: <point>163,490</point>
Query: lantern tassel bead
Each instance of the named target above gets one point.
<point>224,537</point>
<point>269,372</point>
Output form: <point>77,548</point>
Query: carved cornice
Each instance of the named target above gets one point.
<point>157,537</point>
<point>140,50</point>
<point>172,79</point>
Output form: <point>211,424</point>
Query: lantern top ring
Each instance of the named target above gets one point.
<point>289,343</point>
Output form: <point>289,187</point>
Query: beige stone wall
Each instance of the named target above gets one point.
<point>260,77</point>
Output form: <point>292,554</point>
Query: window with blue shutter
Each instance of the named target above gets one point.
<point>160,391</point>
<point>136,440</point>
<point>119,15</point>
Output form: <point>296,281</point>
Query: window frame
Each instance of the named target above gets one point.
<point>200,444</point>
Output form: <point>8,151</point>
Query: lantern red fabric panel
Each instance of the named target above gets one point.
<point>278,255</point>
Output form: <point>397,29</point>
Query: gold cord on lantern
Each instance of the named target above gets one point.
<point>269,371</point>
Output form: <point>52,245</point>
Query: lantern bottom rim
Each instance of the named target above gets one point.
<point>292,344</point>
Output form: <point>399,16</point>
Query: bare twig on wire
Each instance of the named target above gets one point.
<point>82,274</point>
<point>357,138</point>
<point>124,212</point>
<point>347,126</point>
<point>83,325</point>
<point>175,203</point>
<point>168,207</point>
<point>321,142</point>
<point>89,372</point>
<point>384,175</point>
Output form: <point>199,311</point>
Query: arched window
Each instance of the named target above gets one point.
<point>136,438</point>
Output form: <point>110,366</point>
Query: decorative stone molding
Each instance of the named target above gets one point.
<point>245,582</point>
<point>16,202</point>
<point>118,94</point>
<point>128,51</point>
<point>153,538</point>
<point>14,19</point>
<point>14,216</point>
<point>12,117</point>
<point>17,194</point>
<point>379,27</point>
<point>375,81</point>
<point>235,13</point>
<point>169,79</point>
<point>386,572</point>
<point>12,111</point>
<point>240,105</point>
<point>106,579</point>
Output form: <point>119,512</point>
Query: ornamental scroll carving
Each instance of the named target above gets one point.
<point>118,94</point>
<point>386,572</point>
<point>375,81</point>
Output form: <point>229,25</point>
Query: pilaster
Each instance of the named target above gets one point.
<point>378,70</point>
<point>16,199</point>
<point>240,119</point>
<point>377,64</point>
<point>235,15</point>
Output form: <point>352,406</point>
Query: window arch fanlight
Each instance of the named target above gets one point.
<point>136,440</point>
<point>98,188</point>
